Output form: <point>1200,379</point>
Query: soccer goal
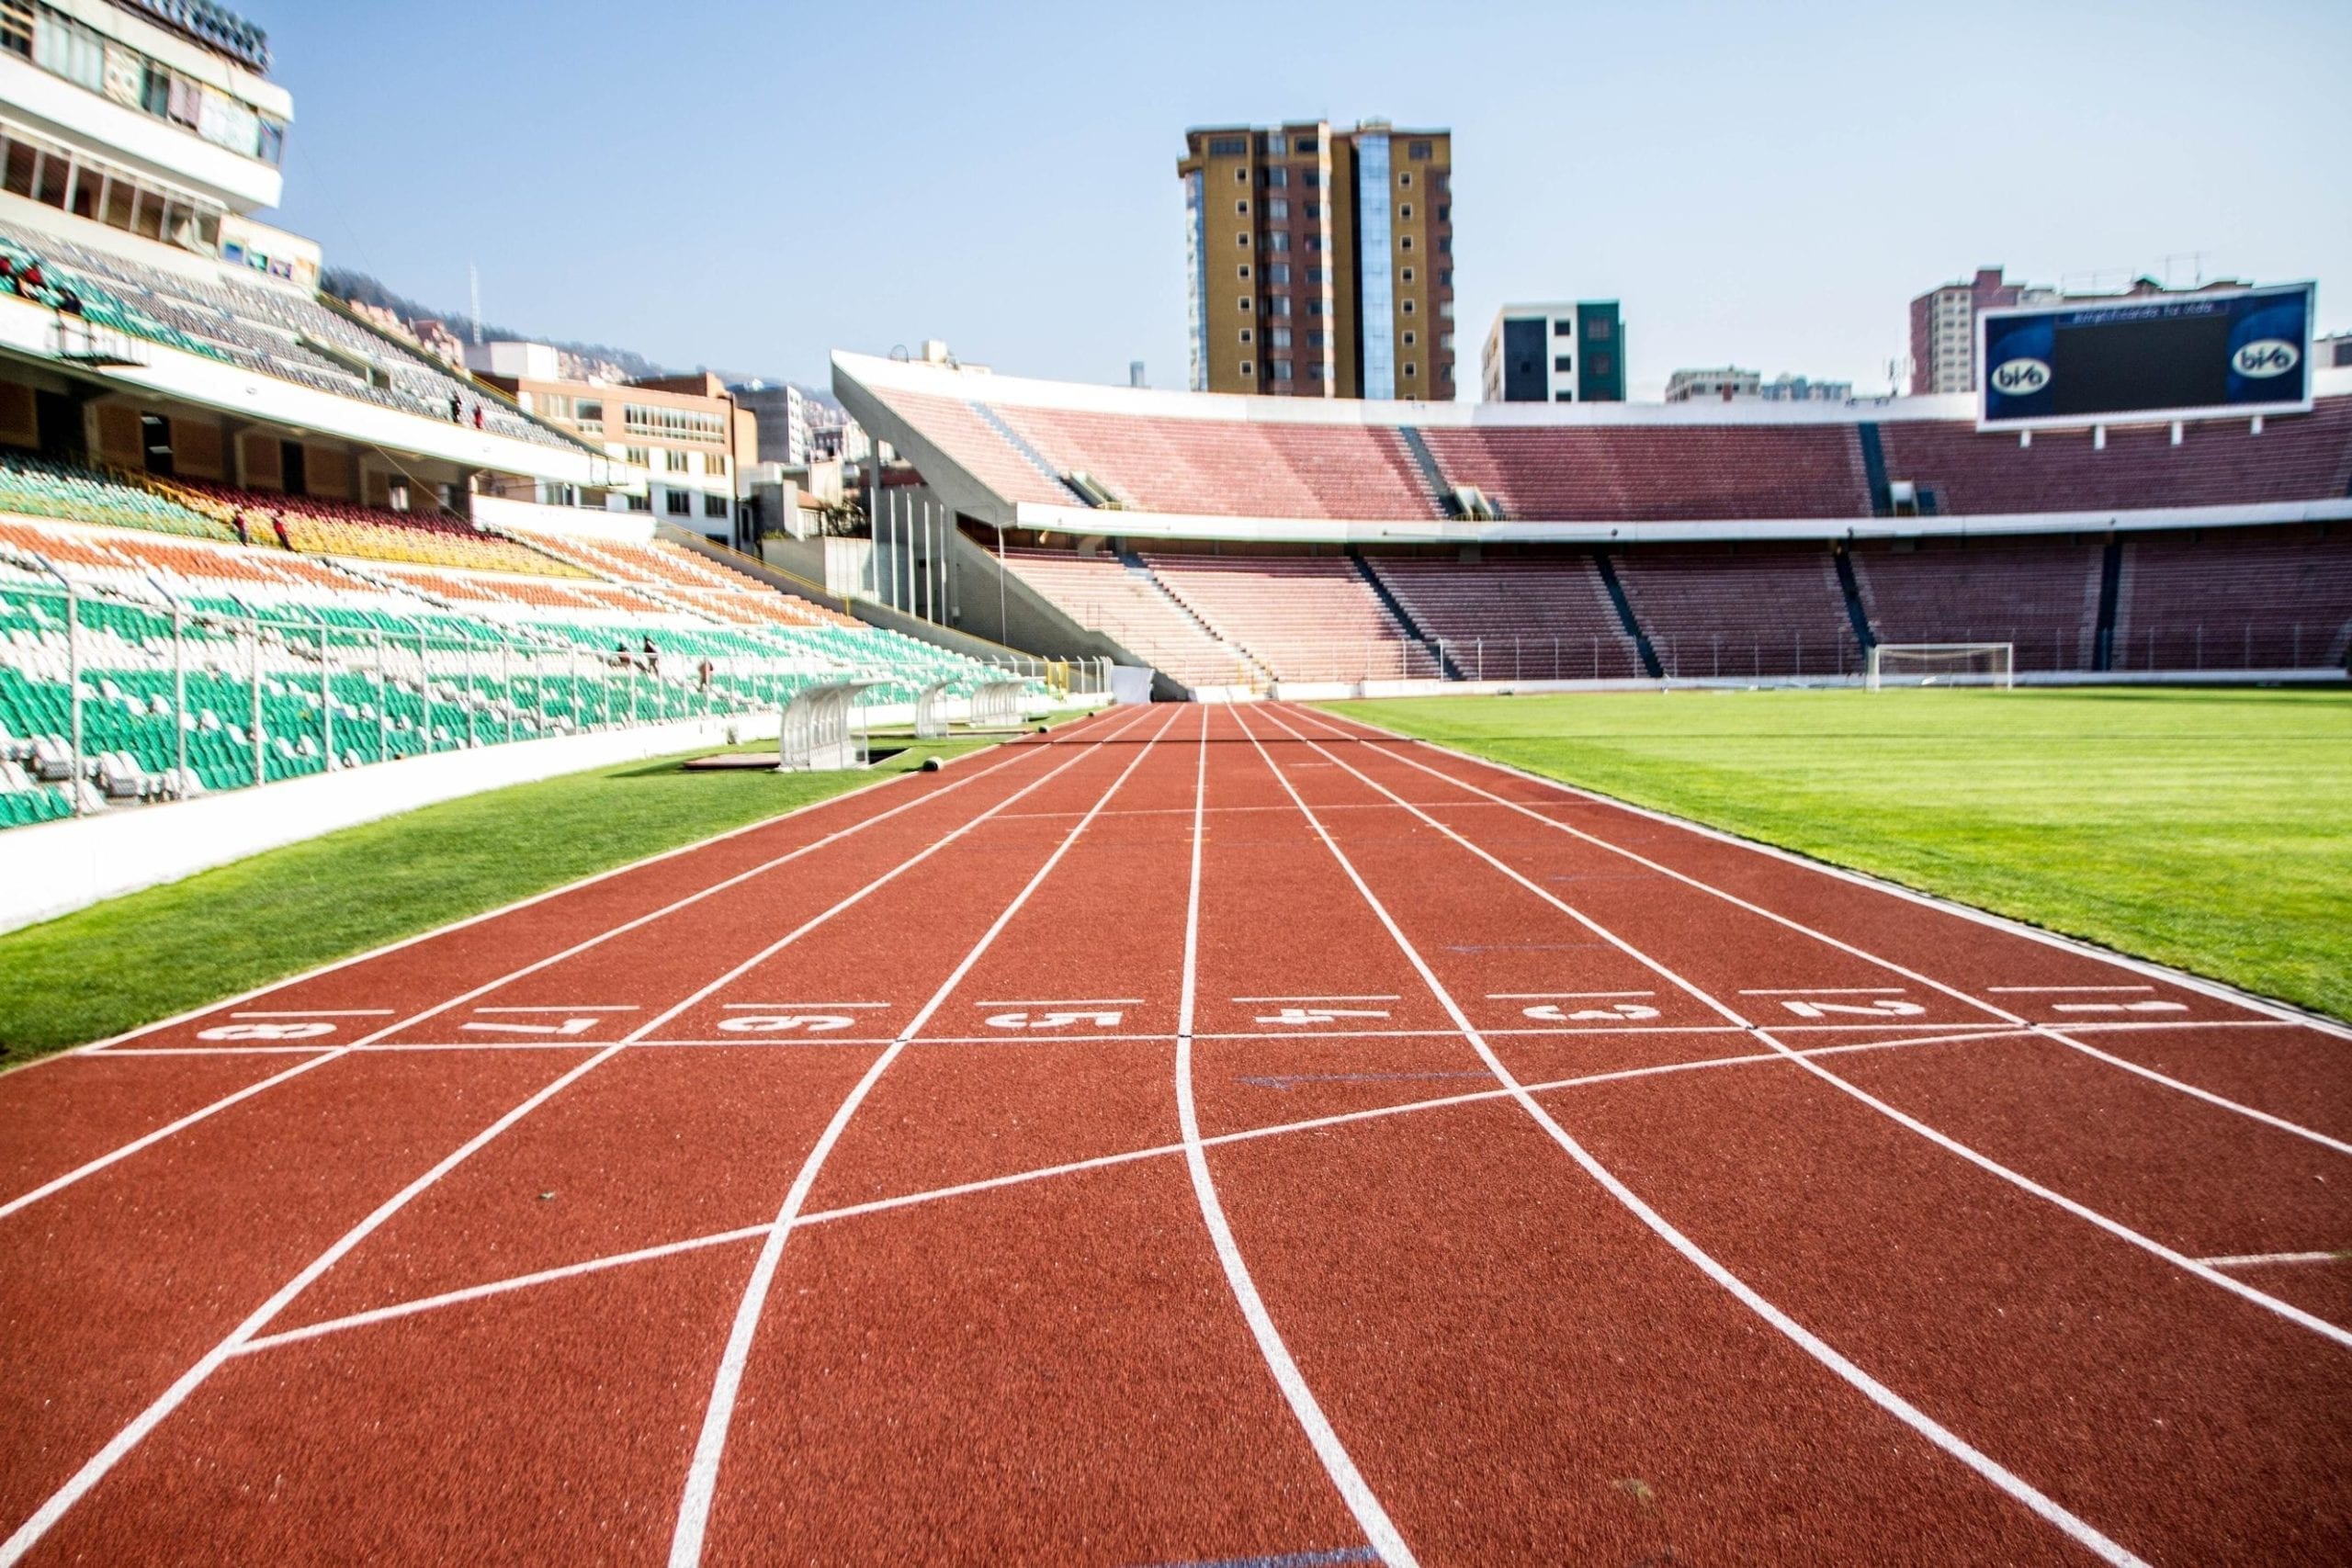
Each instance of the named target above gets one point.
<point>1943,664</point>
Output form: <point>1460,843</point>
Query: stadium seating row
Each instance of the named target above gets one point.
<point>2269,599</point>
<point>272,331</point>
<point>1634,472</point>
<point>207,665</point>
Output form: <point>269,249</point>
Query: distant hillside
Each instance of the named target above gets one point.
<point>360,288</point>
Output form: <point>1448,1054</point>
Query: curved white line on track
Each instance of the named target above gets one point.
<point>2050,1031</point>
<point>1944,1141</point>
<point>1371,1518</point>
<point>719,1415</point>
<point>2076,1528</point>
<point>28,1534</point>
<point>1040,1173</point>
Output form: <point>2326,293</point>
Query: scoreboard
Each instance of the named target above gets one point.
<point>2237,352</point>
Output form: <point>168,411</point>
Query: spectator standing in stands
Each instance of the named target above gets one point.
<point>457,409</point>
<point>278,524</point>
<point>244,536</point>
<point>477,419</point>
<point>652,659</point>
<point>620,656</point>
<point>701,676</point>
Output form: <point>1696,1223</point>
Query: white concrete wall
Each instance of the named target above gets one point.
<point>58,867</point>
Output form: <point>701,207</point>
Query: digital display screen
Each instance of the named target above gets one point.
<point>2245,352</point>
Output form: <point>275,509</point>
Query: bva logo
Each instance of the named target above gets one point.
<point>2020,378</point>
<point>2266,357</point>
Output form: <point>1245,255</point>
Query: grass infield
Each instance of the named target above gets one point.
<point>2204,828</point>
<point>147,956</point>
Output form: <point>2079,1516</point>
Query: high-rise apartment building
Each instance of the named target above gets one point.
<point>1555,354</point>
<point>1320,262</point>
<point>1943,329</point>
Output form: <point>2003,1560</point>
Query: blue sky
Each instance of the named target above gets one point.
<point>749,185</point>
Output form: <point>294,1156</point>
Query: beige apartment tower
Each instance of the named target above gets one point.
<point>1320,262</point>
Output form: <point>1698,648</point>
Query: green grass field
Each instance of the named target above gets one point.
<point>2210,830</point>
<point>148,955</point>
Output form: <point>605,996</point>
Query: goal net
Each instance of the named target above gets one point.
<point>1943,664</point>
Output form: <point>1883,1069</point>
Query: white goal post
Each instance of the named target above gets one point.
<point>1943,664</point>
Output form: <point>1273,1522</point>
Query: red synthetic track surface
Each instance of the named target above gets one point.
<point>1205,1136</point>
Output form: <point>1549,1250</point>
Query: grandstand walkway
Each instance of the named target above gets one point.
<point>1207,1136</point>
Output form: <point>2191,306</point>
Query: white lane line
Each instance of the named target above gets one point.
<point>2268,1009</point>
<point>58,1184</point>
<point>746,967</point>
<point>95,1470</point>
<point>584,1007</point>
<point>2037,990</point>
<point>2077,1529</point>
<point>28,1534</point>
<point>1014,753</point>
<point>1382,996</point>
<point>2264,1117</point>
<point>719,1415</point>
<point>1826,991</point>
<point>1561,996</point>
<point>383,949</point>
<point>494,1288</point>
<point>1070,1001</point>
<point>1371,1518</point>
<point>1041,1173</point>
<point>1944,1141</point>
<point>2185,982</point>
<point>2264,1260</point>
<point>320,1013</point>
<point>787,1006</point>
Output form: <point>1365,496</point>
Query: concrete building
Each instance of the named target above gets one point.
<point>2332,353</point>
<point>1723,383</point>
<point>1320,262</point>
<point>156,119</point>
<point>686,434</point>
<point>782,410</point>
<point>1787,389</point>
<point>1570,353</point>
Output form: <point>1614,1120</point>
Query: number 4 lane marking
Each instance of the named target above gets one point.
<point>1320,1015</point>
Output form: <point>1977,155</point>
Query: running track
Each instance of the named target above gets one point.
<point>1199,1136</point>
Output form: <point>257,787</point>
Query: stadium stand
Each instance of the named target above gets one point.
<point>272,331</point>
<point>1742,610</point>
<point>2218,463</point>
<point>318,527</point>
<point>1231,468</point>
<point>1538,617</point>
<point>1658,473</point>
<point>2276,599</point>
<point>1127,603</point>
<point>1303,617</point>
<point>2040,595</point>
<point>44,487</point>
<point>357,662</point>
